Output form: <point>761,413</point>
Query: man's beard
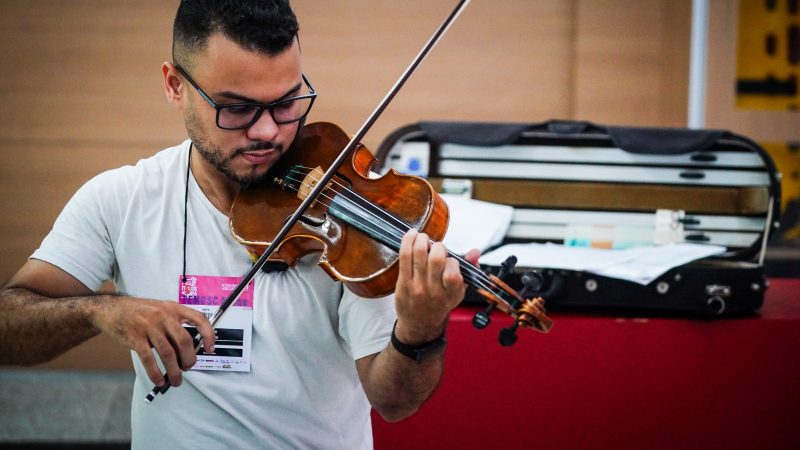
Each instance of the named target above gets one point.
<point>213,155</point>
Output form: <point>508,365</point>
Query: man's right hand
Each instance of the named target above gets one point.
<point>142,325</point>
<point>44,312</point>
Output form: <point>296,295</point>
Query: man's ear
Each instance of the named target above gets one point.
<point>172,82</point>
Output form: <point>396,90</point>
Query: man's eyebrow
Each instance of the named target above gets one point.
<point>235,96</point>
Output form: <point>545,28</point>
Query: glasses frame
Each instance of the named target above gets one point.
<point>261,106</point>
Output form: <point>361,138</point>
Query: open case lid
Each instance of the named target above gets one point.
<point>725,182</point>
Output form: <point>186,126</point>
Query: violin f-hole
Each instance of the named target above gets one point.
<point>312,221</point>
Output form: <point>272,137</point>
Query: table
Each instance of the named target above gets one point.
<point>602,382</point>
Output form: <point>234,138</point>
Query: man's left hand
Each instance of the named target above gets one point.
<point>429,286</point>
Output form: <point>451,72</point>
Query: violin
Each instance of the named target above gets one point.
<point>356,222</point>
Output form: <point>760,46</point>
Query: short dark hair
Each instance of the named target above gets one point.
<point>267,26</point>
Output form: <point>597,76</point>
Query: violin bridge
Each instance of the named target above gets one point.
<point>309,182</point>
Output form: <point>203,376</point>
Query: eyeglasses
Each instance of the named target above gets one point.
<point>238,116</point>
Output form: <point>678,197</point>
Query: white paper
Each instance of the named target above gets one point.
<point>648,263</point>
<point>238,322</point>
<point>475,223</point>
<point>639,264</point>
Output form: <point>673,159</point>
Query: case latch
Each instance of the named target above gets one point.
<point>716,297</point>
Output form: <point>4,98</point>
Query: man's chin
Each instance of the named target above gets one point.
<point>253,177</point>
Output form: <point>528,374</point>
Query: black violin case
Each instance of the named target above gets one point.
<point>561,176</point>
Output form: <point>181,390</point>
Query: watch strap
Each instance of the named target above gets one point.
<point>420,352</point>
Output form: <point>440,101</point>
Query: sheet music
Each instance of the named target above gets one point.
<point>639,264</point>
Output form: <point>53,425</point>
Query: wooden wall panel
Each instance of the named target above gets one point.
<point>85,71</point>
<point>502,60</point>
<point>81,88</point>
<point>631,61</point>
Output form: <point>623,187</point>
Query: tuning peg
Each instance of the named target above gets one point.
<point>508,336</point>
<point>533,282</point>
<point>507,267</point>
<point>481,319</point>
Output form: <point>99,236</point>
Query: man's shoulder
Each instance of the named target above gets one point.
<point>150,177</point>
<point>166,158</point>
<point>159,168</point>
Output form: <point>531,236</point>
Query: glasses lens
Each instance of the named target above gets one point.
<point>291,110</point>
<point>237,116</point>
<point>233,117</point>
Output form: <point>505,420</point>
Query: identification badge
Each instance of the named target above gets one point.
<point>234,331</point>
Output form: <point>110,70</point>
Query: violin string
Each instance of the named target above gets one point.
<point>393,235</point>
<point>398,226</point>
<point>391,222</point>
<point>470,272</point>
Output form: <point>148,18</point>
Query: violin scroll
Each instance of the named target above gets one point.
<point>526,312</point>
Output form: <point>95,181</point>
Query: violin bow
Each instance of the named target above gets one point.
<point>322,183</point>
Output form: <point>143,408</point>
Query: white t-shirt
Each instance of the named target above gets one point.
<point>302,391</point>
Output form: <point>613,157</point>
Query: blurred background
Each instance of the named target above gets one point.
<point>81,92</point>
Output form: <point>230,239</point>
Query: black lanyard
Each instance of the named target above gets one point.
<point>186,209</point>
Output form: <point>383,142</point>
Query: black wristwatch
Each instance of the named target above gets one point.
<point>421,352</point>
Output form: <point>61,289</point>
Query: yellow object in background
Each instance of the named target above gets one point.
<point>768,60</point>
<point>768,78</point>
<point>787,160</point>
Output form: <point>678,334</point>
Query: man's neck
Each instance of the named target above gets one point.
<point>219,189</point>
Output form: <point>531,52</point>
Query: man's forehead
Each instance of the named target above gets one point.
<point>224,65</point>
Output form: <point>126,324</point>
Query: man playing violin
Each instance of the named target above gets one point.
<point>320,356</point>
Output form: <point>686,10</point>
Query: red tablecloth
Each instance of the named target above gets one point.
<point>611,383</point>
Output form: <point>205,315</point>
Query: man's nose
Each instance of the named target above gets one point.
<point>264,129</point>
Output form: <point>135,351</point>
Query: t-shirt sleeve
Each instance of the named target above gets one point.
<point>80,241</point>
<point>366,324</point>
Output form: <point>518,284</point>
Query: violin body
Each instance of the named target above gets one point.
<point>330,226</point>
